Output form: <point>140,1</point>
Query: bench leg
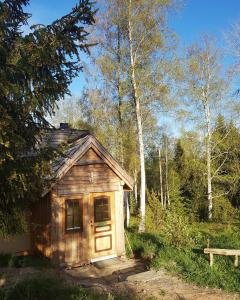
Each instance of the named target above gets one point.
<point>236,261</point>
<point>211,259</point>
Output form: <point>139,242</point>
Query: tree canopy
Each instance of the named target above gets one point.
<point>35,72</point>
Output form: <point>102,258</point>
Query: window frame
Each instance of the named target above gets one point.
<point>74,229</point>
<point>109,208</point>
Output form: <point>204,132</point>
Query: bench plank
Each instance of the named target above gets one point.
<point>226,252</point>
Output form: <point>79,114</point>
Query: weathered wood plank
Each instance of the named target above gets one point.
<point>227,252</point>
<point>89,162</point>
<point>236,261</point>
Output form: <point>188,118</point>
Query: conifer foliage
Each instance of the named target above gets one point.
<point>35,72</point>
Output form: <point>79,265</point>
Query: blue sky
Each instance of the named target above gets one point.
<point>195,17</point>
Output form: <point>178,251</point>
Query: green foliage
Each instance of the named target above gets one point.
<point>223,211</point>
<point>154,212</point>
<point>190,263</point>
<point>176,229</point>
<point>173,222</point>
<point>133,204</point>
<point>36,70</point>
<point>48,288</point>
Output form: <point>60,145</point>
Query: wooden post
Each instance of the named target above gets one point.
<point>211,259</point>
<point>236,261</point>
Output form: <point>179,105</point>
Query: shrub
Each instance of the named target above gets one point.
<point>223,211</point>
<point>154,212</point>
<point>177,229</point>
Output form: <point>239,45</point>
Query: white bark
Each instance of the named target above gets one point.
<point>120,133</point>
<point>209,160</point>
<point>135,188</point>
<point>160,176</point>
<point>127,210</point>
<point>139,120</point>
<point>166,173</point>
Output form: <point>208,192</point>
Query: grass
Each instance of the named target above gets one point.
<point>48,288</point>
<point>192,264</point>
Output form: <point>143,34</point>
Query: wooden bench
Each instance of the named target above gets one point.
<point>226,252</point>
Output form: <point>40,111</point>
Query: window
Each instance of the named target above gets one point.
<point>102,209</point>
<point>73,209</point>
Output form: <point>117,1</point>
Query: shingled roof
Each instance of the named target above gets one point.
<point>78,143</point>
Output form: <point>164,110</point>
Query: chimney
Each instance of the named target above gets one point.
<point>63,126</point>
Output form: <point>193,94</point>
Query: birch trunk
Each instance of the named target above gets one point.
<point>135,188</point>
<point>166,173</point>
<point>139,120</point>
<point>120,133</point>
<point>127,210</point>
<point>209,158</point>
<point>160,176</point>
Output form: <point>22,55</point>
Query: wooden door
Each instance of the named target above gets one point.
<point>102,225</point>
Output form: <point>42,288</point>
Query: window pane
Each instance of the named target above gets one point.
<point>101,209</point>
<point>69,222</point>
<point>73,214</point>
<point>69,208</point>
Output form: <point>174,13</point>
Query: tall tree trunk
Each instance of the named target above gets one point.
<point>209,158</point>
<point>120,119</point>
<point>127,210</point>
<point>135,188</point>
<point>139,121</point>
<point>166,172</point>
<point>160,176</point>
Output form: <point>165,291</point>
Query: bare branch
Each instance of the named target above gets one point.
<point>220,195</point>
<point>218,169</point>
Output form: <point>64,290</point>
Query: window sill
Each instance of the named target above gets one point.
<point>76,229</point>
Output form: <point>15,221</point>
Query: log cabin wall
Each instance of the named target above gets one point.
<point>40,230</point>
<point>89,174</point>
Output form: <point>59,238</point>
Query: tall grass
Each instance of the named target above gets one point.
<point>48,288</point>
<point>192,264</point>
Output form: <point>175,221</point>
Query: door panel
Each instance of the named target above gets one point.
<point>102,224</point>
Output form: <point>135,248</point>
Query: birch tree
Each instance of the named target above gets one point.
<point>206,88</point>
<point>134,62</point>
<point>147,40</point>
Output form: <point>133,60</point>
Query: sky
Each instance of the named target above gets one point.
<point>195,17</point>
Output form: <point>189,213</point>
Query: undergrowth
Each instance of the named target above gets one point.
<point>190,263</point>
<point>48,288</point>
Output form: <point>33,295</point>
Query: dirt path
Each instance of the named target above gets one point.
<point>128,278</point>
<point>167,287</point>
<point>131,280</point>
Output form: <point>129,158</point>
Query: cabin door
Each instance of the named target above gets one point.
<point>102,226</point>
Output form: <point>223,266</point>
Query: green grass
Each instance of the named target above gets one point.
<point>9,260</point>
<point>192,264</point>
<point>48,288</point>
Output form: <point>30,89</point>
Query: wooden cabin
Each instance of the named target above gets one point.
<point>80,217</point>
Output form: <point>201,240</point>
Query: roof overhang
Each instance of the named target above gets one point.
<point>77,150</point>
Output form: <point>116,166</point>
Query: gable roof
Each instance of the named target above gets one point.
<point>83,142</point>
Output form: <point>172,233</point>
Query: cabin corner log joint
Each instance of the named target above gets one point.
<point>79,217</point>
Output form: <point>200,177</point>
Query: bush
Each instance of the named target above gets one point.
<point>154,212</point>
<point>177,229</point>
<point>223,211</point>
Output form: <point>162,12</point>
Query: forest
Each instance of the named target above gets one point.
<point>169,115</point>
